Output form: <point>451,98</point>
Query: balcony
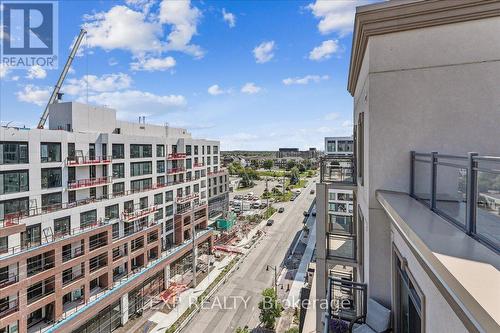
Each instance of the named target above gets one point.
<point>186,198</point>
<point>198,165</point>
<point>346,301</point>
<point>338,169</point>
<point>217,173</point>
<point>87,160</point>
<point>72,277</point>
<point>139,213</point>
<point>464,190</point>
<point>172,171</point>
<point>176,156</point>
<point>9,280</point>
<point>72,253</point>
<point>89,182</point>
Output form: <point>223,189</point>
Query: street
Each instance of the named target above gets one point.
<point>245,286</point>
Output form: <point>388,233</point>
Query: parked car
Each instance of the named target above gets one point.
<point>313,213</point>
<point>281,209</point>
<point>270,222</point>
<point>306,213</point>
<point>312,192</point>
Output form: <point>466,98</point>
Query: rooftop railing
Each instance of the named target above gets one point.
<point>338,169</point>
<point>463,189</point>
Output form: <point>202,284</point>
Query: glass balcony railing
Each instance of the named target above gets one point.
<point>338,169</point>
<point>463,189</point>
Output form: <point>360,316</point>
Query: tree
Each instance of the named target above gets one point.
<point>242,330</point>
<point>254,164</point>
<point>245,180</point>
<point>290,164</point>
<point>270,308</point>
<point>294,176</point>
<point>268,164</point>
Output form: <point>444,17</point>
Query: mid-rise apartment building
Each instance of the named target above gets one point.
<point>96,217</point>
<point>424,241</point>
<point>339,145</point>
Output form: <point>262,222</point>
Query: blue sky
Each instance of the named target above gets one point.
<point>254,74</point>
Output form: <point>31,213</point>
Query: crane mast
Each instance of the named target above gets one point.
<point>60,81</point>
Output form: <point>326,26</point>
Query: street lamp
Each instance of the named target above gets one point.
<point>275,278</point>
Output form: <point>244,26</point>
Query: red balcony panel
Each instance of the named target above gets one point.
<point>176,170</point>
<point>139,213</point>
<point>83,161</point>
<point>90,182</point>
<point>176,156</point>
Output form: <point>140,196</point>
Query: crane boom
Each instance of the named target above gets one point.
<point>60,81</point>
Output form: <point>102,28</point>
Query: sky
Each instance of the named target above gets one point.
<point>256,75</point>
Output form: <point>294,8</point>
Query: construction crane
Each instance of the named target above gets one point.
<point>60,81</point>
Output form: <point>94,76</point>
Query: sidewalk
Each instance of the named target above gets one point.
<point>163,320</point>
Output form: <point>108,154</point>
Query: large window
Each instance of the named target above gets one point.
<point>140,168</point>
<point>50,152</point>
<point>169,196</point>
<point>88,218</point>
<point>141,184</point>
<point>140,151</point>
<point>14,181</point>
<point>158,199</point>
<point>14,152</point>
<point>118,150</point>
<point>188,150</point>
<point>118,188</point>
<point>160,150</point>
<point>216,149</point>
<point>51,177</point>
<point>160,166</point>
<point>51,199</point>
<point>112,212</point>
<point>62,226</point>
<point>14,206</point>
<point>118,170</point>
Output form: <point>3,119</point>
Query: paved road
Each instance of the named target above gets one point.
<point>247,283</point>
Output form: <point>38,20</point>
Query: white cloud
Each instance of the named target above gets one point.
<point>4,71</point>
<point>264,52</point>
<point>123,28</point>
<point>184,20</point>
<point>335,16</point>
<point>230,18</point>
<point>332,116</point>
<point>305,80</point>
<point>215,90</point>
<point>112,61</point>
<point>144,5</point>
<point>153,64</point>
<point>130,103</point>
<point>347,124</point>
<point>34,94</point>
<point>325,50</point>
<point>250,88</point>
<point>36,72</point>
<point>97,84</point>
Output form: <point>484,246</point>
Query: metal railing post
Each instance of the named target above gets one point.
<point>470,221</point>
<point>412,173</point>
<point>433,179</point>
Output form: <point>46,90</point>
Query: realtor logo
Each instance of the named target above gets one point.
<point>29,34</point>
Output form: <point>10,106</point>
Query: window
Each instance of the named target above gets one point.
<point>88,218</point>
<point>51,199</point>
<point>141,184</point>
<point>51,177</point>
<point>14,206</point>
<point>62,226</point>
<point>208,160</point>
<point>14,152</point>
<point>196,188</point>
<point>14,181</point>
<point>118,170</point>
<point>361,143</point>
<point>118,188</point>
<point>160,180</point>
<point>158,214</point>
<point>216,160</point>
<point>169,225</point>
<point>140,168</point>
<point>118,150</point>
<point>112,212</point>
<point>92,151</point>
<point>158,199</point>
<point>196,150</point>
<point>330,146</point>
<point>71,151</point>
<point>32,236</point>
<point>169,196</point>
<point>71,196</point>
<point>160,150</point>
<point>140,151</point>
<point>169,210</point>
<point>216,149</point>
<point>160,166</point>
<point>189,164</point>
<point>50,152</point>
<point>4,244</point>
<point>208,150</point>
<point>188,150</point>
